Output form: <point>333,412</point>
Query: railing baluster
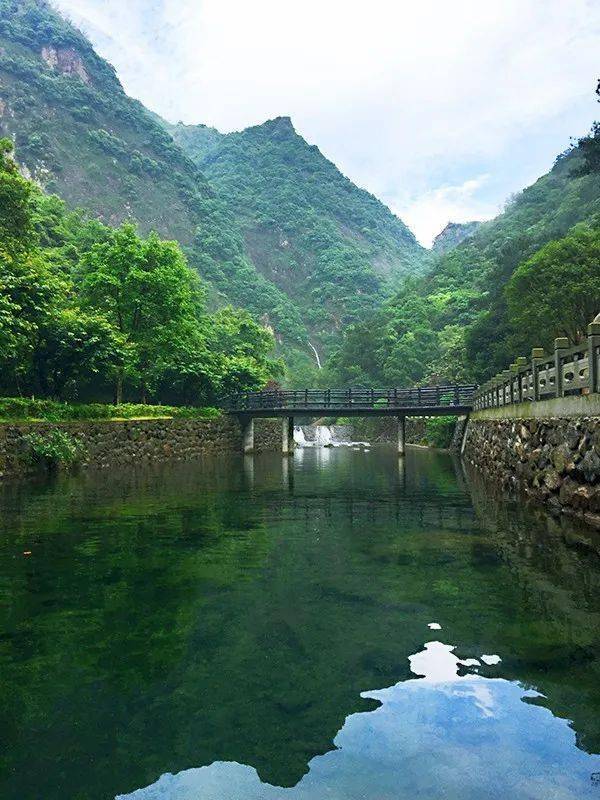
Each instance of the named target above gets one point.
<point>279,400</point>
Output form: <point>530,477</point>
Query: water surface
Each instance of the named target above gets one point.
<point>260,628</point>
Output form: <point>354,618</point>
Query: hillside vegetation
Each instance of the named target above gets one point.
<point>456,323</point>
<point>78,134</point>
<point>271,226</point>
<point>89,311</point>
<point>256,239</point>
<point>332,246</point>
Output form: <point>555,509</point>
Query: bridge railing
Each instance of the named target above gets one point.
<point>351,399</point>
<point>569,370</point>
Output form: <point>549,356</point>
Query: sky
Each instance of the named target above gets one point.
<point>441,108</point>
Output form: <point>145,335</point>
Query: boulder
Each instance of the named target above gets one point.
<point>562,459</point>
<point>552,480</point>
<point>567,491</point>
<point>589,466</point>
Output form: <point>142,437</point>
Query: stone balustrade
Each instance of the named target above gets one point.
<point>569,370</point>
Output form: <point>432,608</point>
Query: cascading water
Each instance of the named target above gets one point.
<point>324,436</point>
<point>299,437</point>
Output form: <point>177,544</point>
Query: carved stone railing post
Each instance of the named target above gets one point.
<point>497,390</point>
<point>513,392</point>
<point>507,384</point>
<point>521,366</point>
<point>537,355</point>
<point>559,345</point>
<point>593,345</point>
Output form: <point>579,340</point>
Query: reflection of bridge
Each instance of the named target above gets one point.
<point>419,402</point>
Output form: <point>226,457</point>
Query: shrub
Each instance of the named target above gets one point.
<point>54,448</point>
<point>19,408</point>
<point>439,431</point>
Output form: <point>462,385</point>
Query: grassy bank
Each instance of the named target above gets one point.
<point>19,409</point>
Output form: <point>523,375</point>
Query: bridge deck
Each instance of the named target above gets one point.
<point>424,401</point>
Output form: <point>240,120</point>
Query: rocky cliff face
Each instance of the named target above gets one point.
<point>66,61</point>
<point>453,234</point>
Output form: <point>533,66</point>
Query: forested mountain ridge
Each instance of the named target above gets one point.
<point>260,245</point>
<point>307,227</point>
<point>272,158</point>
<point>79,135</point>
<point>495,295</point>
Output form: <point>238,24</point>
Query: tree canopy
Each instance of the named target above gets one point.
<point>86,310</point>
<point>557,291</point>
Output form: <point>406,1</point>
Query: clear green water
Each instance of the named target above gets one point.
<point>242,629</point>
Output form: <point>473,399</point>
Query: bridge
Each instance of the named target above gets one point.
<point>401,403</point>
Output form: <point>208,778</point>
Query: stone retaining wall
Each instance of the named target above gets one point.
<point>268,435</point>
<point>553,460</point>
<point>131,442</point>
<point>385,429</point>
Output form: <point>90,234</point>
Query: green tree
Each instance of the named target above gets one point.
<point>557,291</point>
<point>73,347</point>
<point>17,233</point>
<point>244,350</point>
<point>147,290</point>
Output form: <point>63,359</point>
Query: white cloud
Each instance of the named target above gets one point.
<point>428,213</point>
<point>407,98</point>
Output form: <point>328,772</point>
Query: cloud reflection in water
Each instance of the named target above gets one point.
<point>439,735</point>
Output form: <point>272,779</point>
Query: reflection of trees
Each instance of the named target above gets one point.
<point>555,565</point>
<point>170,618</point>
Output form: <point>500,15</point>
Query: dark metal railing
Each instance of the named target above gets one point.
<point>352,399</point>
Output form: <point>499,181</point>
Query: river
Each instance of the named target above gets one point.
<point>341,624</point>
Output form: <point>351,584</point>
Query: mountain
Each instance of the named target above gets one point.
<point>307,227</point>
<point>78,134</point>
<point>454,323</point>
<point>267,221</point>
<point>453,234</point>
<point>474,275</point>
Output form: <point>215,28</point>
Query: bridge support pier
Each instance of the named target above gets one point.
<point>287,436</point>
<point>248,435</point>
<point>401,436</point>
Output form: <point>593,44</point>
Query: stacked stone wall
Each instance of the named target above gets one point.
<point>268,435</point>
<point>131,442</point>
<point>553,460</point>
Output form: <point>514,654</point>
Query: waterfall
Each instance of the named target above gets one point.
<point>314,349</point>
<point>323,437</point>
<point>299,437</point>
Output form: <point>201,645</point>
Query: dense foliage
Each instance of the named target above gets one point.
<point>28,409</point>
<point>334,248</point>
<point>278,230</point>
<point>79,135</point>
<point>84,308</point>
<point>517,282</point>
<point>53,448</point>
